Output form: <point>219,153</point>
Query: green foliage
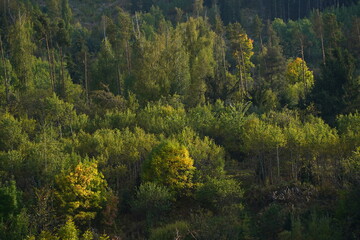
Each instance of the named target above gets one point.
<point>152,201</point>
<point>336,92</point>
<point>45,235</point>
<point>220,195</point>
<point>351,168</point>
<point>263,141</point>
<point>119,120</point>
<point>62,114</point>
<point>242,51</point>
<point>120,153</point>
<point>349,131</point>
<point>22,49</point>
<point>320,227</point>
<point>9,203</point>
<point>209,158</point>
<point>347,212</point>
<point>163,67</point>
<point>177,230</point>
<point>88,235</point>
<point>105,69</point>
<point>14,220</point>
<point>12,134</point>
<point>227,226</point>
<point>199,42</point>
<point>221,122</point>
<point>169,164</point>
<point>68,231</point>
<point>176,103</point>
<point>15,227</point>
<point>271,222</point>
<point>161,118</point>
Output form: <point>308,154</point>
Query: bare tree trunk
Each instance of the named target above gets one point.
<point>323,48</point>
<point>86,78</point>
<point>128,59</point>
<point>241,83</point>
<point>62,80</point>
<point>278,161</point>
<point>357,22</point>
<point>119,79</point>
<point>52,74</point>
<point>53,66</point>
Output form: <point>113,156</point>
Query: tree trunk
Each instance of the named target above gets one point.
<point>52,74</point>
<point>278,161</point>
<point>128,59</point>
<point>323,48</point>
<point>86,78</point>
<point>62,80</point>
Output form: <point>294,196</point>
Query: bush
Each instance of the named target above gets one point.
<point>177,230</point>
<point>219,194</point>
<point>152,200</point>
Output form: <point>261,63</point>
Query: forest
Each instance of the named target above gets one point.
<point>179,119</point>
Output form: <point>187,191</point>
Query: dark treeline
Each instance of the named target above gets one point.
<point>233,10</point>
<point>179,119</point>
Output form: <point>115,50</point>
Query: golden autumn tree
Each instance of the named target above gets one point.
<point>170,165</point>
<point>300,81</point>
<point>82,191</point>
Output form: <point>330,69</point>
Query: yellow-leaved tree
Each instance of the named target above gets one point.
<point>300,81</point>
<point>170,165</point>
<point>82,191</point>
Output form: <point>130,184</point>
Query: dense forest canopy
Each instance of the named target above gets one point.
<point>182,119</point>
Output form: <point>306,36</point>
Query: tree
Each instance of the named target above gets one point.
<point>302,35</point>
<point>332,31</point>
<point>272,66</point>
<point>337,91</point>
<point>242,51</point>
<point>217,86</point>
<point>220,195</point>
<point>258,26</point>
<point>68,231</point>
<point>61,39</point>
<point>161,118</point>
<point>198,7</point>
<point>11,131</point>
<point>198,40</point>
<point>163,66</point>
<point>66,13</point>
<point>209,158</point>
<point>22,48</point>
<point>81,191</point>
<point>61,114</point>
<point>169,164</point>
<point>9,203</point>
<point>105,69</point>
<point>349,131</point>
<point>125,31</point>
<point>152,200</point>
<point>300,81</point>
<point>318,26</point>
<point>262,141</point>
<point>14,221</point>
<point>177,230</point>
<point>320,161</point>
